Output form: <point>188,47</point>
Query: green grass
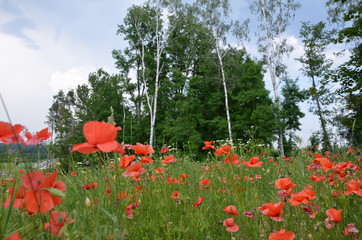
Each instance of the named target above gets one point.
<point>161,217</point>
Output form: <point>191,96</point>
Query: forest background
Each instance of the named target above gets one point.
<point>177,63</point>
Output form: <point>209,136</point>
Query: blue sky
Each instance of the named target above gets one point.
<point>47,45</point>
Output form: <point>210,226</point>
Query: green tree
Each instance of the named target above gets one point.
<point>214,14</point>
<point>274,16</point>
<point>315,65</point>
<point>291,112</point>
<point>348,17</point>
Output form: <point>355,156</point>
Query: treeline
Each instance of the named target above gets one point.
<point>18,153</point>
<point>181,83</point>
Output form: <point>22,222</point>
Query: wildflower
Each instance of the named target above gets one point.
<point>198,202</point>
<point>230,225</point>
<point>225,149</point>
<point>175,194</point>
<point>10,134</point>
<point>125,161</point>
<point>134,170</point>
<point>208,145</point>
<point>205,181</point>
<point>232,210</point>
<point>146,159</point>
<point>303,196</point>
<point>248,214</point>
<point>315,178</point>
<point>19,201</point>
<point>38,137</point>
<point>91,185</point>
<point>141,149</point>
<point>284,184</point>
<point>129,209</point>
<point>334,215</point>
<point>273,210</point>
<point>100,136</point>
<point>108,192</point>
<point>281,235</point>
<point>14,236</point>
<point>164,150</point>
<point>159,170</point>
<point>122,195</point>
<point>57,222</point>
<point>231,159</point>
<point>311,211</point>
<point>41,192</point>
<point>350,228</point>
<point>253,162</point>
<point>353,186</point>
<point>169,159</point>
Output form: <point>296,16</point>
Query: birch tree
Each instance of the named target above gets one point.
<point>214,13</point>
<point>315,65</point>
<point>274,16</point>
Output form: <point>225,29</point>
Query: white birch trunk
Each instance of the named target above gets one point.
<point>225,94</point>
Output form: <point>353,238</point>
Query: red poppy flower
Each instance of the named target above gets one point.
<point>225,149</point>
<point>129,209</point>
<point>281,235</point>
<point>134,170</point>
<point>39,187</point>
<point>100,136</point>
<point>311,211</point>
<point>326,164</point>
<point>205,181</point>
<point>10,134</point>
<point>19,201</point>
<point>125,161</point>
<point>315,178</point>
<point>232,210</point>
<point>284,183</point>
<point>334,215</point>
<point>172,180</point>
<point>38,137</point>
<point>175,194</point>
<point>14,236</point>
<point>169,159</point>
<point>183,176</point>
<point>303,196</point>
<point>159,170</point>
<point>350,228</point>
<point>141,149</point>
<point>57,222</point>
<point>208,145</point>
<point>230,225</point>
<point>164,150</point>
<point>122,195</point>
<point>273,210</point>
<point>248,214</point>
<point>231,159</point>
<point>146,159</point>
<point>198,202</point>
<point>354,186</point>
<point>253,162</point>
<point>91,185</point>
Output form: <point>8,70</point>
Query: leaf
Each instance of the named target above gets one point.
<point>55,192</point>
<point>112,217</point>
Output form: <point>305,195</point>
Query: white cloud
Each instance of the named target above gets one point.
<point>70,78</point>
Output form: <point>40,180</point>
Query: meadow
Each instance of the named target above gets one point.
<point>139,192</point>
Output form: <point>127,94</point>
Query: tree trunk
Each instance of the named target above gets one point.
<point>225,94</point>
<point>326,140</point>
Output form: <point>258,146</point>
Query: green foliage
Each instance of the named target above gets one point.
<point>347,14</point>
